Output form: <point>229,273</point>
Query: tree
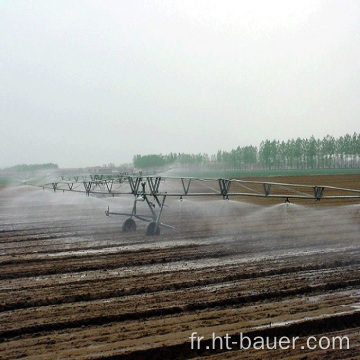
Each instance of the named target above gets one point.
<point>311,151</point>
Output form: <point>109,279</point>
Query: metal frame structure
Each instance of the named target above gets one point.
<point>158,188</point>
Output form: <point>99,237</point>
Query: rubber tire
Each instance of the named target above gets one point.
<point>129,225</point>
<point>150,229</point>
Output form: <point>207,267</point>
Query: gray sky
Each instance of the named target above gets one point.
<point>92,82</point>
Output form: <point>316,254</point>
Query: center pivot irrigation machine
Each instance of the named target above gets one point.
<point>153,190</point>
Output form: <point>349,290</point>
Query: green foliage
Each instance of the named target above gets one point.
<point>3,181</point>
<point>148,161</point>
<point>33,167</point>
<point>311,153</point>
<point>231,174</point>
<point>296,154</point>
<point>158,161</point>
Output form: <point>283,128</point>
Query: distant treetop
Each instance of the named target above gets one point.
<point>308,153</point>
<point>32,167</point>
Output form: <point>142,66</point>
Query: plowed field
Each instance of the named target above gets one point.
<point>73,286</point>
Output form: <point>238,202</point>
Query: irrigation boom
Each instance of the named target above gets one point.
<point>158,188</point>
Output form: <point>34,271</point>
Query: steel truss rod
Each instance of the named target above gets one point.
<point>134,185</point>
<point>201,194</point>
<point>109,184</point>
<point>87,186</point>
<point>248,188</point>
<point>150,206</point>
<point>186,186</point>
<point>224,185</point>
<point>292,190</point>
<point>318,192</point>
<point>159,214</point>
<point>153,184</point>
<point>267,188</point>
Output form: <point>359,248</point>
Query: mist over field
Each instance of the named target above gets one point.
<point>70,278</point>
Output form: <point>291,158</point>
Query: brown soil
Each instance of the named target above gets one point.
<point>72,286</point>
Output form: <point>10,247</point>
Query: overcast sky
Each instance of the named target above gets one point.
<point>92,82</point>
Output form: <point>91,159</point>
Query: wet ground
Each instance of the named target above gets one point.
<point>73,286</point>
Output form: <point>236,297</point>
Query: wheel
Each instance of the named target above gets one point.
<point>129,225</point>
<point>150,229</point>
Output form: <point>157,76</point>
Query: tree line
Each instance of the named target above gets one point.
<point>32,167</point>
<point>311,153</point>
<point>300,153</point>
<point>155,161</point>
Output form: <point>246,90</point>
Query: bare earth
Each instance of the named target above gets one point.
<point>72,286</point>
